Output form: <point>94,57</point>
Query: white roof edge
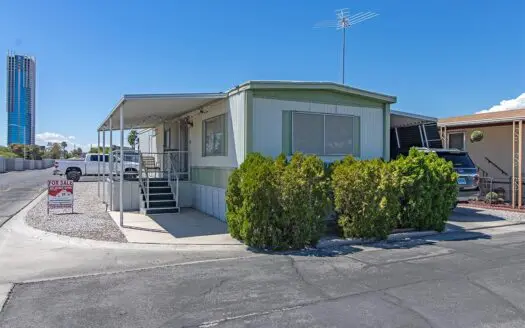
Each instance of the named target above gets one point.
<point>209,95</point>
<point>261,84</point>
<point>484,121</point>
<point>412,115</point>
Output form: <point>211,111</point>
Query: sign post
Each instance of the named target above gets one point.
<point>59,194</point>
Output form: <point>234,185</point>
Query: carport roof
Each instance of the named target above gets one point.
<point>142,111</point>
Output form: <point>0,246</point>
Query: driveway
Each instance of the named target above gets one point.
<point>18,188</point>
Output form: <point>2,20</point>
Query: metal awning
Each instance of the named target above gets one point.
<point>140,111</point>
<point>399,119</point>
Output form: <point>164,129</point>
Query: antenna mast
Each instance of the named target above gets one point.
<point>343,22</point>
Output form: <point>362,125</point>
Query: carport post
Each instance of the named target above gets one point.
<point>104,167</point>
<point>98,164</point>
<point>110,165</point>
<point>121,201</point>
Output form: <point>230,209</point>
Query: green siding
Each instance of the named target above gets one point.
<point>356,135</point>
<point>386,132</point>
<point>318,96</point>
<point>287,132</point>
<point>211,176</point>
<point>248,122</point>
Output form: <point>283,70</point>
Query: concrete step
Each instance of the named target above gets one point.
<point>159,210</point>
<point>160,203</point>
<point>159,196</point>
<point>158,190</point>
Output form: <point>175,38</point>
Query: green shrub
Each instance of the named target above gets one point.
<point>427,188</point>
<point>491,197</point>
<point>365,198</point>
<point>276,204</point>
<point>304,198</point>
<point>253,210</point>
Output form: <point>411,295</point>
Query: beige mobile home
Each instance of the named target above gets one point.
<point>499,154</point>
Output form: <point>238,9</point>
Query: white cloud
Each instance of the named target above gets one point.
<point>45,137</point>
<point>516,103</point>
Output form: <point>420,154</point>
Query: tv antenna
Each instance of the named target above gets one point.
<point>343,22</point>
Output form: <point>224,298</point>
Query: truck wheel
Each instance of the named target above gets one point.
<point>73,175</point>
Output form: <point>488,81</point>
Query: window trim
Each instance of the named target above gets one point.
<point>324,132</point>
<point>457,132</point>
<point>225,144</point>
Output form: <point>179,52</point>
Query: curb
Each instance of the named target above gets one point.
<point>5,292</point>
<point>18,221</point>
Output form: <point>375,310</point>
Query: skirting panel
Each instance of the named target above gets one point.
<point>210,200</point>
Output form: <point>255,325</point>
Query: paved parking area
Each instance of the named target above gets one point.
<point>18,188</point>
<point>460,283</point>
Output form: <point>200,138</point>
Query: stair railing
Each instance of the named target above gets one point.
<point>172,172</point>
<point>144,168</point>
<point>496,166</point>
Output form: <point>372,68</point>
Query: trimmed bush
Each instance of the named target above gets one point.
<point>276,204</point>
<point>428,190</point>
<point>365,198</point>
<point>304,198</point>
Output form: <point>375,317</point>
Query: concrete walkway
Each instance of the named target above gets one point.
<point>190,227</point>
<point>467,218</point>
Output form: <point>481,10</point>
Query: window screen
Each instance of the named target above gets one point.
<point>340,134</point>
<point>456,141</point>
<point>215,136</point>
<point>325,134</point>
<point>308,130</point>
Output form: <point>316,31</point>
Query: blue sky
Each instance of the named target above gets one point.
<point>439,57</point>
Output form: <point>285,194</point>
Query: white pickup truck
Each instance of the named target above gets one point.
<point>74,169</point>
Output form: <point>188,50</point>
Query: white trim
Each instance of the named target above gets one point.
<point>297,85</point>
<point>484,121</point>
<point>457,132</point>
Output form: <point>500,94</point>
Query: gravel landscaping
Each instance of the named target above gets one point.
<point>90,219</point>
<point>488,213</point>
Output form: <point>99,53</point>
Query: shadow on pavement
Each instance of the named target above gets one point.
<point>463,214</point>
<point>408,243</point>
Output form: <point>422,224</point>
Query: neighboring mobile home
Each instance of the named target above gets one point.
<point>200,138</point>
<point>497,155</point>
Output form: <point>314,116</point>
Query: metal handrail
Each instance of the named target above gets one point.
<point>176,174</point>
<point>496,166</point>
<point>145,188</point>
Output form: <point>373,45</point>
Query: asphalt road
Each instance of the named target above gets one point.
<point>459,283</point>
<point>18,188</point>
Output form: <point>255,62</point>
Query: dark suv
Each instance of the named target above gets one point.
<point>468,179</point>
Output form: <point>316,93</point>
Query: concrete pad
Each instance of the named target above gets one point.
<point>5,289</point>
<point>190,227</point>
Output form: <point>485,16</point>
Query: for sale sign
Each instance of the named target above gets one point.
<point>59,194</point>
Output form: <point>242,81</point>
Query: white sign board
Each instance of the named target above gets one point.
<point>59,194</point>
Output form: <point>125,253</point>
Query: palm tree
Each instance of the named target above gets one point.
<point>132,138</point>
<point>63,144</point>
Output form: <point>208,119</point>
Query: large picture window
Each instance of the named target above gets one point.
<point>214,130</point>
<point>325,134</point>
